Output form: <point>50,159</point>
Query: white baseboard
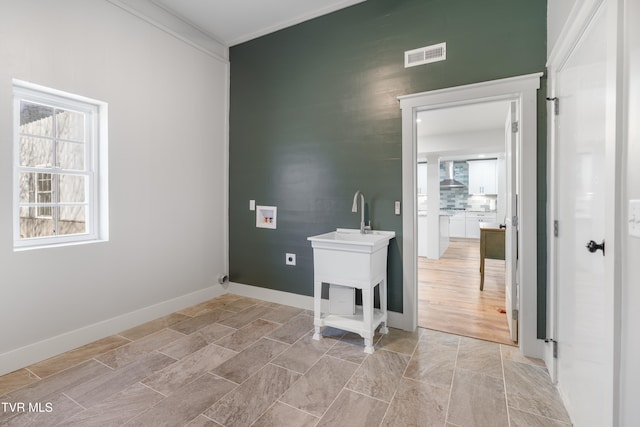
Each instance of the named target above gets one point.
<point>395,320</point>
<point>41,350</point>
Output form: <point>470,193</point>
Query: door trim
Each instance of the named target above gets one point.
<point>524,90</point>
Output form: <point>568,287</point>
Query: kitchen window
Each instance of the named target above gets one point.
<point>59,167</point>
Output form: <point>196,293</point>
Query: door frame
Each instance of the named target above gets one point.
<point>576,24</point>
<point>522,89</point>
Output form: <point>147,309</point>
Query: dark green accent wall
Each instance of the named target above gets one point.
<point>314,117</point>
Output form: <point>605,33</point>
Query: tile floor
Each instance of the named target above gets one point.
<point>236,361</point>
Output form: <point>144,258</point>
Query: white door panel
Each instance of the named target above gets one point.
<point>584,358</point>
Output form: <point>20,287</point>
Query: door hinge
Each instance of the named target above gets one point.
<point>514,127</point>
<point>556,105</point>
<point>514,221</point>
<point>555,346</point>
<point>555,228</point>
<point>514,314</point>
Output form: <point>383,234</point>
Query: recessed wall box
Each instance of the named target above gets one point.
<point>342,300</point>
<point>266,216</point>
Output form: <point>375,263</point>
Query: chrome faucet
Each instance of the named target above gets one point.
<point>354,208</point>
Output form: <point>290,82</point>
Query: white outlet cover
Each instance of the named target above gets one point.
<point>290,259</point>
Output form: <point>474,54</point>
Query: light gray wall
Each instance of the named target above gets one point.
<point>167,126</point>
<point>630,354</point>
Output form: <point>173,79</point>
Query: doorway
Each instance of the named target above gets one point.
<point>462,184</point>
<point>523,90</point>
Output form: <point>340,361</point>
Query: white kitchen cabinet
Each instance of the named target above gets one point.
<point>483,177</point>
<point>457,225</point>
<point>473,220</point>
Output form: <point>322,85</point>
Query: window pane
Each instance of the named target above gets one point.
<point>72,188</point>
<point>36,119</point>
<point>36,152</point>
<point>73,220</point>
<point>70,125</point>
<point>33,226</point>
<point>27,188</point>
<point>70,155</point>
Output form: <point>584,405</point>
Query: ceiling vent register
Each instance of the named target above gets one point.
<point>425,55</point>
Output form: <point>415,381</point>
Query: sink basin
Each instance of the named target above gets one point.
<point>349,258</point>
<point>351,240</point>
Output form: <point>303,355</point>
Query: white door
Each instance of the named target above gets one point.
<point>584,282</point>
<point>511,294</point>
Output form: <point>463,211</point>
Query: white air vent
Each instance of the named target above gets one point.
<point>425,55</point>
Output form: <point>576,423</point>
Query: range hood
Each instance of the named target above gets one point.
<point>449,181</point>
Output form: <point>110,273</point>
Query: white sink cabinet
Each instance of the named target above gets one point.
<point>348,258</point>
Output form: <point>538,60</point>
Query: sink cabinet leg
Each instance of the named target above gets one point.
<point>368,345</point>
<point>317,307</point>
<point>382,287</point>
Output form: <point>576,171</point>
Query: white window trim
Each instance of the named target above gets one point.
<point>95,160</point>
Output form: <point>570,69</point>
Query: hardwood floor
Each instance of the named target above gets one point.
<point>449,296</point>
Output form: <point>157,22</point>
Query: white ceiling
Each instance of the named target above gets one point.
<point>236,21</point>
<point>463,119</point>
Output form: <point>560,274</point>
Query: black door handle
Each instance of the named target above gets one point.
<point>593,246</point>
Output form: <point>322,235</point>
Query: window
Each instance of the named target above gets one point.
<point>59,157</point>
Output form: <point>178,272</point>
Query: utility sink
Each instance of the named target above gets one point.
<point>347,257</point>
<point>352,240</point>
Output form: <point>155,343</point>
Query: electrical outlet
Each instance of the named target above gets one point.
<point>290,259</point>
<point>397,207</point>
<point>634,218</point>
<point>252,205</point>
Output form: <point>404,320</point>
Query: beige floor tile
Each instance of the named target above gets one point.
<point>187,403</point>
<point>246,316</point>
<point>74,357</point>
<point>379,374</point>
<point>480,356</point>
<point>281,314</point>
<point>294,329</point>
<point>525,419</point>
<point>48,412</point>
<point>515,355</point>
<point>203,307</point>
<point>302,355</point>
<point>241,304</point>
<point>101,387</point>
<point>530,389</point>
<point>399,341</point>
<point>318,388</point>
<point>203,421</point>
<point>213,333</point>
<point>188,369</point>
<point>60,382</point>
<point>433,364</point>
<point>247,335</point>
<point>148,328</point>
<point>283,415</point>
<point>477,400</point>
<point>15,380</point>
<point>439,338</point>
<point>192,324</point>
<point>117,409</point>
<point>354,410</point>
<point>246,403</point>
<point>417,404</point>
<point>250,360</point>
<point>185,345</point>
<point>129,353</point>
<point>348,351</point>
